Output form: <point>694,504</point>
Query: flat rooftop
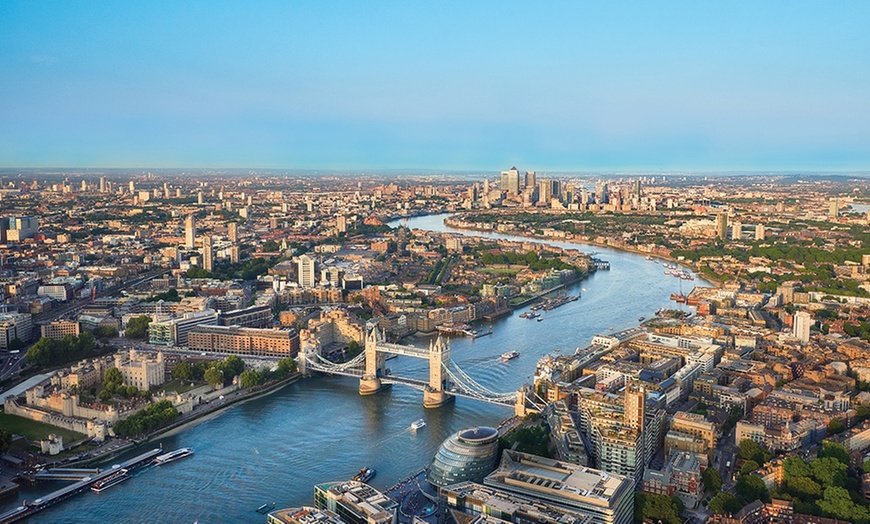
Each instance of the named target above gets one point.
<point>532,473</point>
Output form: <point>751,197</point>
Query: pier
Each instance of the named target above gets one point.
<point>29,509</point>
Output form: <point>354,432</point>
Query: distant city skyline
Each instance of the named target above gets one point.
<point>568,87</point>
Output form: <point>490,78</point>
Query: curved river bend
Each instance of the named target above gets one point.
<point>274,449</point>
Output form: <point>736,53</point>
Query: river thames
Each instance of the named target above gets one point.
<point>274,449</point>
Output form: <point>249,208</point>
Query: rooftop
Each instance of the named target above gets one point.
<point>570,481</point>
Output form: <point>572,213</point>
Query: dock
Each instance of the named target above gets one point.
<point>29,509</point>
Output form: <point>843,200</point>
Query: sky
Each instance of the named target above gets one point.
<point>707,86</point>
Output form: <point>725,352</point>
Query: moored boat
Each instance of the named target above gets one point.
<point>111,480</point>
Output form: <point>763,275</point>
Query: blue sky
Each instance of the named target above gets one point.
<point>436,85</point>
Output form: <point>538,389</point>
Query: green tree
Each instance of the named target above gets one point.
<point>214,376</point>
<point>804,487</point>
<point>750,450</point>
<point>40,353</point>
<point>250,378</point>
<point>751,487</point>
<point>132,391</point>
<point>233,366</point>
<point>796,467</point>
<point>112,379</point>
<point>138,327</point>
<point>105,395</point>
<point>104,332</point>
<point>286,366</point>
<point>829,471</point>
<point>835,426</point>
<point>657,508</point>
<point>834,450</point>
<point>182,371</point>
<point>867,466</point>
<point>838,504</point>
<point>712,479</point>
<point>724,503</point>
<point>748,467</point>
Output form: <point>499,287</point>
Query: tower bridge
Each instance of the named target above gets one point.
<point>446,379</point>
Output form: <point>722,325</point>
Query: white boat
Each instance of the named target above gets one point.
<point>417,424</point>
<point>173,455</point>
<point>510,355</point>
<point>111,480</point>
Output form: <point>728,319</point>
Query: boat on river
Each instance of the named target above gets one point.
<point>417,424</point>
<point>510,355</point>
<point>113,479</point>
<point>365,475</point>
<point>173,455</point>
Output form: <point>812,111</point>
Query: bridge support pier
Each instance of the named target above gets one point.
<point>435,399</point>
<point>369,385</point>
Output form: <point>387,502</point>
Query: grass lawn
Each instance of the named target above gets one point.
<point>36,431</point>
<point>179,387</point>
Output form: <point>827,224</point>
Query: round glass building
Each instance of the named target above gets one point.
<point>469,454</point>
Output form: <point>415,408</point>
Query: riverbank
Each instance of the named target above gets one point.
<point>196,416</point>
<point>457,223</point>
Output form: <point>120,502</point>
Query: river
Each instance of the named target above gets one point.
<point>274,449</point>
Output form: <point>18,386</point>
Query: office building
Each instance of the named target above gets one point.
<point>236,340</point>
<point>254,317</point>
<point>607,498</point>
<point>355,502</point>
<point>21,228</point>
<point>691,432</point>
<point>834,207</point>
<point>190,232</point>
<point>303,515</point>
<point>174,331</point>
<point>468,454</point>
<point>510,181</point>
<point>305,271</point>
<point>58,329</point>
<point>472,498</point>
<point>15,326</point>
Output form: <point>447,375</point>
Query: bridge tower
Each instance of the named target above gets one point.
<point>370,383</point>
<point>439,356</point>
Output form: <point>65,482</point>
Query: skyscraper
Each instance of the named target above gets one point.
<point>722,225</point>
<point>190,232</point>
<point>207,254</point>
<point>233,232</point>
<point>510,181</point>
<point>802,323</point>
<point>305,271</point>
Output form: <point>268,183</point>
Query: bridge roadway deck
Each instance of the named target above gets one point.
<point>397,349</point>
<point>75,488</point>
